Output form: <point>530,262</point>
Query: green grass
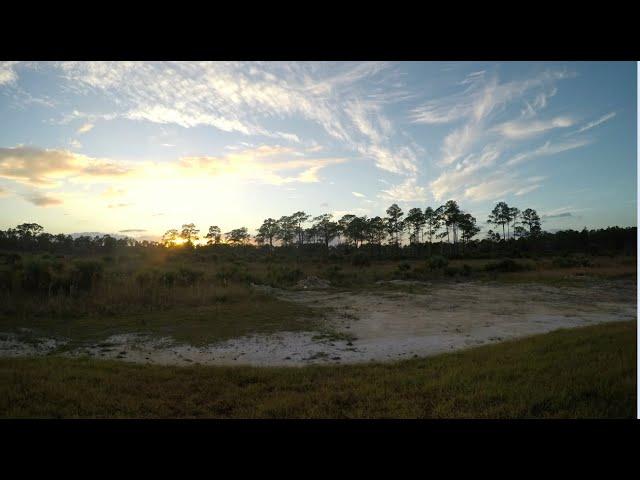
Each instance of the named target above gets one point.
<point>197,325</point>
<point>579,373</point>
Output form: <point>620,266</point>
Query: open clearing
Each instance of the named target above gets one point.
<point>393,321</point>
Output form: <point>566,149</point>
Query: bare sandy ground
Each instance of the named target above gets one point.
<point>383,325</point>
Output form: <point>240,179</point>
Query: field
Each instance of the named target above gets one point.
<point>588,372</point>
<point>219,337</point>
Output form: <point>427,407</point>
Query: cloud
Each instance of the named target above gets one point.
<point>476,105</point>
<point>270,164</point>
<point>407,191</point>
<point>244,97</point>
<point>43,167</point>
<point>548,149</point>
<point>480,98</point>
<point>519,129</point>
<point>132,230</point>
<point>500,185</point>
<point>561,212</point>
<point>85,128</point>
<point>265,164</point>
<point>3,192</point>
<point>595,123</point>
<point>527,189</point>
<point>467,172</point>
<point>119,205</point>
<point>8,74</point>
<point>538,103</point>
<point>358,194</point>
<point>42,200</point>
<point>559,215</point>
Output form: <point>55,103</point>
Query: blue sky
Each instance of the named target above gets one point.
<point>143,147</point>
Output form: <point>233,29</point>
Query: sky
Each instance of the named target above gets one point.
<point>138,148</point>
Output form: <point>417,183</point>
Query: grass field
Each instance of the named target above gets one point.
<point>580,373</point>
<point>200,302</point>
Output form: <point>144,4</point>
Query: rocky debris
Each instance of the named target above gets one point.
<point>313,283</point>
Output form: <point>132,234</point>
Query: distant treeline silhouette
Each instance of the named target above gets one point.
<point>445,230</point>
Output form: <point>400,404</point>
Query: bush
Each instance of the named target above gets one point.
<point>283,275</point>
<point>85,273</point>
<point>452,271</point>
<point>404,267</point>
<point>360,260</point>
<point>438,261</point>
<point>187,276</point>
<point>6,280</point>
<point>466,270</point>
<point>335,274</point>
<point>506,265</point>
<point>572,261</point>
<point>36,276</point>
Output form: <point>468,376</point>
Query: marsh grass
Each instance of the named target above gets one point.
<point>588,372</point>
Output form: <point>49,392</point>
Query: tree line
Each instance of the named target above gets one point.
<point>426,226</point>
<point>447,229</point>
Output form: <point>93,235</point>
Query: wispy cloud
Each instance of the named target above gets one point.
<point>501,185</point>
<point>595,123</point>
<point>242,97</point>
<point>548,149</point>
<point>519,129</point>
<point>358,194</point>
<point>85,128</point>
<point>407,191</point>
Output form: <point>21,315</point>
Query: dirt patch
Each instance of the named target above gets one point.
<point>313,283</point>
<point>387,325</point>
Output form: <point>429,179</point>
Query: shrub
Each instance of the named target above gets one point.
<point>506,265</point>
<point>572,261</point>
<point>466,270</point>
<point>187,276</point>
<point>451,271</point>
<point>168,279</point>
<point>404,267</point>
<point>6,280</point>
<point>85,273</point>
<point>360,260</point>
<point>36,276</point>
<point>335,274</point>
<point>437,261</point>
